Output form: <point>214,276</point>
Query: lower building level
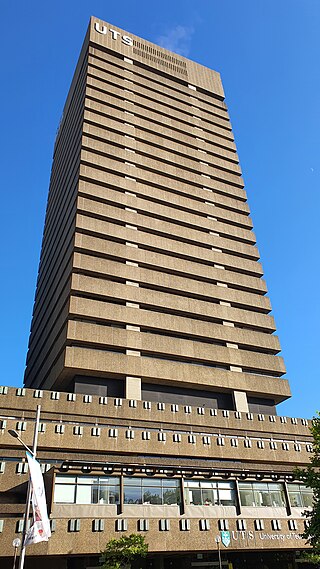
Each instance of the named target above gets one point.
<point>195,482</point>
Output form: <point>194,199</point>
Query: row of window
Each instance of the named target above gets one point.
<point>55,395</point>
<point>167,491</point>
<point>98,525</point>
<point>192,438</point>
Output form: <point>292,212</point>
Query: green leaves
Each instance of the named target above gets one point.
<point>120,552</point>
<point>310,476</point>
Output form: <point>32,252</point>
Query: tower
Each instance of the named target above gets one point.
<point>149,280</point>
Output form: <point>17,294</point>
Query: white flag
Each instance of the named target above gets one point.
<point>40,529</point>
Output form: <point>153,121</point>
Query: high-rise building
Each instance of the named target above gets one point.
<point>149,280</point>
<point>151,313</point>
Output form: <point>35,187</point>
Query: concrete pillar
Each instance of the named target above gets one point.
<point>240,401</point>
<point>133,388</point>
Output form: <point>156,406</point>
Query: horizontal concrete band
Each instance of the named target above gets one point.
<point>176,140</point>
<point>86,361</point>
<point>159,243</point>
<point>192,159</point>
<point>150,78</point>
<point>182,349</point>
<point>187,199</point>
<point>116,73</point>
<point>156,109</point>
<point>78,410</point>
<point>169,263</point>
<point>195,329</point>
<point>122,445</point>
<point>167,282</point>
<point>153,225</point>
<point>199,175</point>
<point>98,94</point>
<point>104,312</point>
<point>177,304</point>
<point>174,179</point>
<point>125,101</point>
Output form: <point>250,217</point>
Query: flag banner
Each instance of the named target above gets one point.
<point>40,528</point>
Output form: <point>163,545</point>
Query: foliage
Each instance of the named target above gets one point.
<point>121,552</point>
<point>310,558</point>
<point>310,476</point>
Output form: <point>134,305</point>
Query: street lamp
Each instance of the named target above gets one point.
<point>16,435</point>
<point>218,541</point>
<point>16,543</point>
<point>33,452</point>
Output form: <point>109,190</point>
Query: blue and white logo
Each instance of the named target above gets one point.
<point>225,538</point>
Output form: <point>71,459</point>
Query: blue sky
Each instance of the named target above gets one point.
<point>268,54</point>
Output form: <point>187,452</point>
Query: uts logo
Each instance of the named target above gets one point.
<point>114,34</point>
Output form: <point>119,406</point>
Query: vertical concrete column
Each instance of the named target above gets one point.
<point>240,401</point>
<point>133,388</point>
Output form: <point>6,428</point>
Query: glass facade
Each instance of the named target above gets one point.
<point>300,496</point>
<point>87,490</point>
<point>161,491</point>
<point>259,494</point>
<point>151,491</point>
<point>208,493</point>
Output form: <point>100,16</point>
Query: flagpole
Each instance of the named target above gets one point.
<point>27,510</point>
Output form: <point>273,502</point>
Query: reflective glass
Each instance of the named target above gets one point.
<point>83,495</point>
<point>295,499</point>
<point>171,496</point>
<point>128,481</point>
<point>109,495</point>
<point>193,497</point>
<point>307,499</point>
<point>227,497</point>
<point>208,498</point>
<point>132,495</point>
<point>65,479</point>
<point>87,480</point>
<point>246,497</point>
<point>151,481</point>
<point>169,482</point>
<point>64,494</point>
<point>152,496</point>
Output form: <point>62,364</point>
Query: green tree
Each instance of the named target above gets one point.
<point>310,476</point>
<point>120,553</point>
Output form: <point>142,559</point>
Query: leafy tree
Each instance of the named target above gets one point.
<point>121,552</point>
<point>310,476</point>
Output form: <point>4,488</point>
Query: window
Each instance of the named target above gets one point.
<point>204,525</point>
<point>143,525</point>
<point>185,525</point>
<point>87,490</point>
<point>151,491</point>
<point>261,494</point>
<point>97,525</point>
<point>276,525</point>
<point>164,525</point>
<point>74,525</point>
<point>209,493</point>
<point>121,525</point>
<point>300,496</point>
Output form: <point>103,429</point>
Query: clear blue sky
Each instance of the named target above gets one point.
<point>268,54</point>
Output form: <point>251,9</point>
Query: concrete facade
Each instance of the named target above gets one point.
<point>152,349</point>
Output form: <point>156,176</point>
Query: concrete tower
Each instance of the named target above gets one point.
<point>150,281</point>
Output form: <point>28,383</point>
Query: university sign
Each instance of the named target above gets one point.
<point>261,536</point>
<point>114,34</point>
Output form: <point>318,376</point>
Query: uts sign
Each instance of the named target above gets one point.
<point>114,34</point>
